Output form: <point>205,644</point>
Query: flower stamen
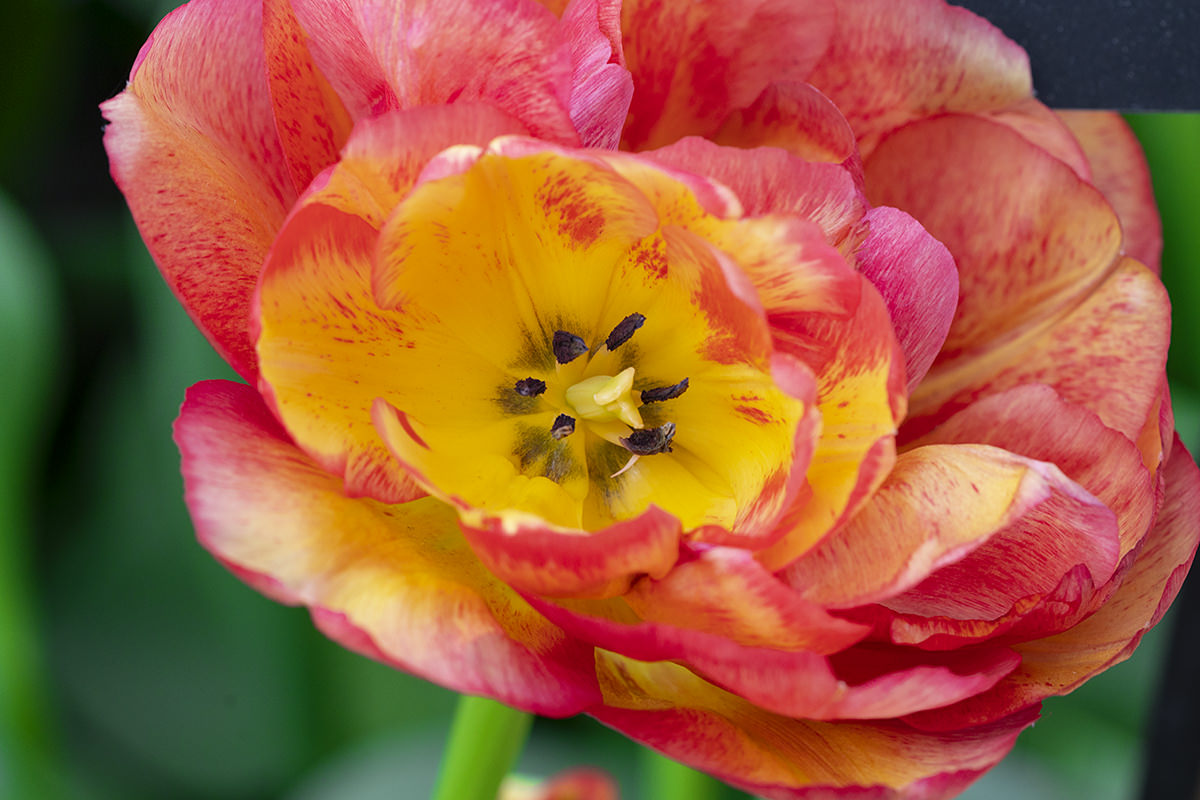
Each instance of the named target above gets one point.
<point>567,347</point>
<point>532,387</point>
<point>624,330</point>
<point>563,427</point>
<point>664,392</point>
<point>650,441</point>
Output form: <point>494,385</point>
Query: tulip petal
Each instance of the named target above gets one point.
<point>796,683</point>
<point>601,86</point>
<point>1029,236</point>
<point>1044,128</point>
<point>321,335</point>
<point>1035,422</point>
<point>379,56</point>
<point>767,180</point>
<point>1057,664</point>
<point>674,711</point>
<point>889,63</point>
<point>312,122</point>
<point>1119,171</point>
<point>396,582</point>
<point>704,60</point>
<point>797,118</point>
<point>953,513</point>
<point>916,275</point>
<point>193,146</point>
<point>1107,354</point>
<point>725,592</point>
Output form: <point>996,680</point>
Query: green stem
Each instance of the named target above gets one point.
<point>484,743</point>
<point>664,779</point>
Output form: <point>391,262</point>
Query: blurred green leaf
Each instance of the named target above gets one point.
<point>29,339</point>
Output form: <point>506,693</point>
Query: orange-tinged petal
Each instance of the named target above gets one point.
<point>953,513</point>
<point>327,350</point>
<point>842,329</point>
<point>889,63</point>
<point>1057,664</point>
<point>1035,422</point>
<point>1042,127</point>
<point>1029,236</point>
<point>1119,170</point>
<point>193,146</point>
<point>379,56</point>
<point>797,118</point>
<point>724,591</point>
<point>323,346</point>
<point>312,122</point>
<point>396,582</point>
<point>793,682</point>
<point>824,315</point>
<point>694,63</point>
<point>1106,354</point>
<point>678,713</point>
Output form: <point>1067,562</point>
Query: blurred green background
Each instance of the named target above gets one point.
<point>131,664</point>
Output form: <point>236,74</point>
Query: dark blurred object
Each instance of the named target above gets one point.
<point>1172,745</point>
<point>1118,54</point>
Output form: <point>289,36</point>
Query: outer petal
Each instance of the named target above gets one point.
<point>889,63</point>
<point>192,144</point>
<point>1042,127</point>
<point>1033,421</point>
<point>953,515</point>
<point>694,63</point>
<point>320,331</point>
<point>792,682</point>
<point>1057,664</point>
<point>1106,354</point>
<point>1029,236</point>
<point>312,122</point>
<point>1119,171</point>
<point>396,582</point>
<point>916,275</point>
<point>674,711</point>
<point>382,55</point>
<point>797,118</point>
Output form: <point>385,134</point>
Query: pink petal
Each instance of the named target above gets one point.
<point>917,277</point>
<point>381,55</point>
<point>889,63</point>
<point>694,63</point>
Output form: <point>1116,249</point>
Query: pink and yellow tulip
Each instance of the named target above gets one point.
<point>776,381</point>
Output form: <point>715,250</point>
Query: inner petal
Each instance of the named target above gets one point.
<point>543,299</point>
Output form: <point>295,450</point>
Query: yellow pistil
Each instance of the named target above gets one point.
<point>603,398</point>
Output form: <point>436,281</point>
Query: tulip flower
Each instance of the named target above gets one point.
<point>777,382</point>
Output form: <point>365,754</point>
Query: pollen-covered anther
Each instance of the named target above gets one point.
<point>567,347</point>
<point>563,426</point>
<point>662,393</point>
<point>650,441</point>
<point>603,398</point>
<point>624,331</point>
<point>532,387</point>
